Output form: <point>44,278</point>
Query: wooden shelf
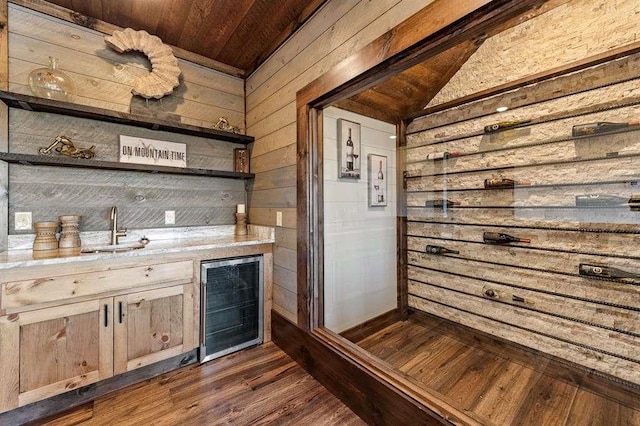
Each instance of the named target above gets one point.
<point>32,103</point>
<point>45,160</point>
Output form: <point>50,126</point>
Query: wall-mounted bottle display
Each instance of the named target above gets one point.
<point>500,238</point>
<point>503,125</point>
<point>441,203</point>
<point>504,183</point>
<point>603,271</point>
<point>439,250</point>
<point>601,127</point>
<point>442,155</point>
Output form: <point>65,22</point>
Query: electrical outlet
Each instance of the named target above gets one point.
<point>23,221</point>
<point>169,217</point>
<point>278,218</point>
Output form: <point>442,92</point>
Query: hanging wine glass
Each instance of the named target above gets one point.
<point>51,83</point>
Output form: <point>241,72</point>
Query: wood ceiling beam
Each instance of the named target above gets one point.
<point>107,28</point>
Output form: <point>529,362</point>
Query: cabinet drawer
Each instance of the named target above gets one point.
<point>18,294</point>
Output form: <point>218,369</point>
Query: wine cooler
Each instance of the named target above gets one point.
<point>231,305</point>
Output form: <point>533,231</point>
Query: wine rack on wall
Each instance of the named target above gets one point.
<point>569,283</point>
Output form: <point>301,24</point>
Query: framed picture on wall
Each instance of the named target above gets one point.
<point>348,149</point>
<point>377,171</point>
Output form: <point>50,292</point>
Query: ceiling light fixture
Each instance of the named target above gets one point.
<point>502,109</point>
<point>392,137</point>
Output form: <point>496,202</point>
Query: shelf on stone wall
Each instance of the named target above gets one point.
<point>45,160</point>
<point>32,103</point>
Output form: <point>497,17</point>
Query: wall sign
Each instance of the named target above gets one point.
<point>149,151</point>
<point>348,149</point>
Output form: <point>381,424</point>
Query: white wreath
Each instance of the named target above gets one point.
<point>164,74</point>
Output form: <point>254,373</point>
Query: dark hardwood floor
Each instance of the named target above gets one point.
<point>497,384</point>
<point>257,386</point>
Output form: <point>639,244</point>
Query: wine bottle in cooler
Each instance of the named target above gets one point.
<point>380,184</point>
<point>349,152</point>
<point>441,203</point>
<point>442,155</point>
<point>600,200</point>
<point>503,125</point>
<point>504,183</point>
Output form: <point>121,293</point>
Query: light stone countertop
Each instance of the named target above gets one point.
<point>161,241</point>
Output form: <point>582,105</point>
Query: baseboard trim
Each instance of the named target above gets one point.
<point>54,406</point>
<point>367,328</point>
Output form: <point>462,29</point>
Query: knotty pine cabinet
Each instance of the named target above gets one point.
<point>59,333</point>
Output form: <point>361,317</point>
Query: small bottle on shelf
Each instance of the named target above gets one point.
<point>442,155</point>
<point>504,183</point>
<point>439,250</point>
<point>441,203</point>
<point>499,238</point>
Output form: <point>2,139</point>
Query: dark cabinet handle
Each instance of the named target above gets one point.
<point>106,315</point>
<point>120,311</point>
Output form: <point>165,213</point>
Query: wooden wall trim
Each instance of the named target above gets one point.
<point>4,45</point>
<point>437,27</point>
<point>372,326</point>
<point>68,15</point>
<point>368,395</point>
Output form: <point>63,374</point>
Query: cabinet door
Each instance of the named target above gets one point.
<point>54,350</point>
<point>153,325</point>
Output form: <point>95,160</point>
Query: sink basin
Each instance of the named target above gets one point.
<point>117,248</point>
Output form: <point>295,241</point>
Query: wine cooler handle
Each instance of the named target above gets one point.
<point>106,315</point>
<point>120,312</point>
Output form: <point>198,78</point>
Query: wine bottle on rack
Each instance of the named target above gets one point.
<point>604,271</point>
<point>440,250</point>
<point>441,203</point>
<point>600,200</point>
<point>442,155</point>
<point>504,183</point>
<point>499,238</point>
<point>634,203</point>
<point>502,125</point>
<point>601,127</point>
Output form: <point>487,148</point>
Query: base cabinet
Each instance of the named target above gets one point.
<point>54,349</point>
<point>152,325</point>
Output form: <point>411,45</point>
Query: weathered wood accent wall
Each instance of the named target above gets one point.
<point>104,78</point>
<point>336,31</point>
<point>532,293</point>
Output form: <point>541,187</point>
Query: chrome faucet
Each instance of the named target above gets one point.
<point>115,233</point>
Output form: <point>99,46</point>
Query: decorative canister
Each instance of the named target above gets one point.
<point>70,244</point>
<point>45,244</point>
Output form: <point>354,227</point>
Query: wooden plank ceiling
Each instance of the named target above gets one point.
<point>240,33</point>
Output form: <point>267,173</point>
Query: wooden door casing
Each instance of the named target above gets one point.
<point>152,325</point>
<point>53,350</point>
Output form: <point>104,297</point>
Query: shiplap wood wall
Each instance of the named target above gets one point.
<point>104,78</point>
<point>337,30</point>
<point>540,299</point>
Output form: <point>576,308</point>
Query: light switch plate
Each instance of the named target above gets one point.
<point>23,221</point>
<point>169,217</point>
<point>278,218</point>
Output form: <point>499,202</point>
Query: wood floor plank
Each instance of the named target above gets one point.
<point>261,385</point>
<point>494,382</point>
